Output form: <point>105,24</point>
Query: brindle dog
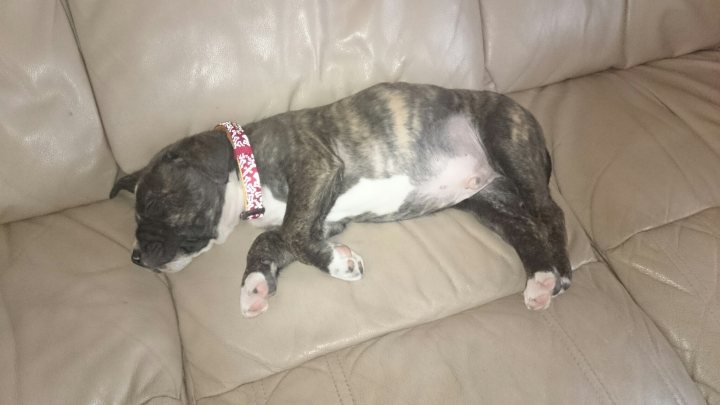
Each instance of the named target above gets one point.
<point>391,152</point>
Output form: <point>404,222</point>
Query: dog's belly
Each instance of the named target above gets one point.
<point>399,196</point>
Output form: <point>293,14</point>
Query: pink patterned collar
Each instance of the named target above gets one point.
<point>247,169</point>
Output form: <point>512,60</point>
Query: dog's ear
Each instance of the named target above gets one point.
<point>209,153</point>
<point>125,183</point>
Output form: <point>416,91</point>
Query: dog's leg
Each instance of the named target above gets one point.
<point>311,196</point>
<point>302,236</point>
<point>268,255</point>
<point>500,207</point>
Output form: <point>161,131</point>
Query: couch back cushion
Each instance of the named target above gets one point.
<point>165,69</point>
<point>533,43</point>
<point>53,153</point>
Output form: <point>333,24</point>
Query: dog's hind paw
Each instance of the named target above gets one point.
<point>253,295</point>
<point>539,290</point>
<point>345,264</point>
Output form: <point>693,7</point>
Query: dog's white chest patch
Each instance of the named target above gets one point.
<point>372,196</point>
<point>274,210</point>
<point>376,197</point>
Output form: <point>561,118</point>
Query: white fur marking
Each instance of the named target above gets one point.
<point>346,264</point>
<point>274,210</point>
<point>253,295</point>
<point>232,208</point>
<point>375,196</point>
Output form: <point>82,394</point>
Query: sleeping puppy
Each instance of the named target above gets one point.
<point>391,152</point>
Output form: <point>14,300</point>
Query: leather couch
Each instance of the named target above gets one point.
<point>628,94</point>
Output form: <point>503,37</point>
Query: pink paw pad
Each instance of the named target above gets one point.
<point>539,290</point>
<point>253,295</point>
<point>345,264</point>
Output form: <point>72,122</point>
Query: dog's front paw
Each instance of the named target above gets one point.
<point>253,295</point>
<point>345,264</point>
<point>541,287</point>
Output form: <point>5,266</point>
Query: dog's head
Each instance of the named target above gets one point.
<point>179,200</point>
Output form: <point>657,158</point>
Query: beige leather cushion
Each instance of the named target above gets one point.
<point>52,151</point>
<point>166,69</point>
<point>79,324</point>
<point>530,44</point>
<point>594,346</point>
<point>637,156</point>
<point>638,148</point>
<point>672,272</point>
<point>416,271</point>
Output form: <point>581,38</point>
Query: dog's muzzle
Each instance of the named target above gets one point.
<point>136,258</point>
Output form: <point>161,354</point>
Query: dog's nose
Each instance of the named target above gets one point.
<point>135,257</point>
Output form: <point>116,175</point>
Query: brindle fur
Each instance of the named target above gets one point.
<point>308,158</point>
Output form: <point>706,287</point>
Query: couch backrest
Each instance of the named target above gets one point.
<point>53,153</point>
<point>533,43</point>
<point>164,69</point>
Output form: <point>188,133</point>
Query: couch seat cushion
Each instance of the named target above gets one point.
<point>79,324</point>
<point>416,271</point>
<point>593,346</point>
<point>637,157</point>
<point>672,272</point>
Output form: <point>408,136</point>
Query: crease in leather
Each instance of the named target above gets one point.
<point>76,220</point>
<point>624,35</point>
<point>705,297</point>
<point>653,359</point>
<point>579,358</point>
<point>71,21</point>
<point>594,191</point>
<point>183,358</point>
<point>16,372</point>
<point>488,80</point>
<point>711,394</point>
<point>283,376</point>
<point>669,222</point>
<point>648,92</point>
<point>156,397</point>
<point>149,349</point>
<point>664,280</point>
<point>40,223</point>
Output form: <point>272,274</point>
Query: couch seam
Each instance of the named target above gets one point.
<point>332,377</point>
<point>147,401</point>
<point>372,339</point>
<point>262,389</point>
<point>657,367</point>
<point>345,379</point>
<point>187,378</point>
<point>659,226</point>
<point>648,92</point>
<point>567,338</point>
<point>71,21</point>
<point>706,310</point>
<point>15,352</point>
<point>483,32</point>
